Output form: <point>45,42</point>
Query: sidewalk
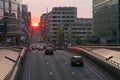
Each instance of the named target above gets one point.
<point>7,61</point>
<point>107,53</point>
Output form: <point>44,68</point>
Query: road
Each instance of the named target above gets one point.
<point>56,67</point>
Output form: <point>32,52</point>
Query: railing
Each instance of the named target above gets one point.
<point>13,72</point>
<point>111,62</point>
<point>100,57</point>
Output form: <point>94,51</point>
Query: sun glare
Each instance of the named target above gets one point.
<point>35,24</point>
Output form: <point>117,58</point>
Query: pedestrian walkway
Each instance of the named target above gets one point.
<point>107,53</point>
<point>7,61</point>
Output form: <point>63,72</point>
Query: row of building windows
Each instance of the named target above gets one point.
<point>81,28</point>
<point>62,16</point>
<point>65,8</point>
<point>57,28</point>
<point>85,20</point>
<point>9,6</point>
<point>75,33</point>
<point>82,24</point>
<point>74,28</point>
<point>62,20</point>
<point>73,24</point>
<point>63,13</point>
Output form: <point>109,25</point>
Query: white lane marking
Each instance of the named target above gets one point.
<point>94,72</point>
<point>66,63</point>
<point>47,63</point>
<point>50,73</point>
<point>73,73</point>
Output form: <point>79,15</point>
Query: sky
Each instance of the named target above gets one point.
<point>38,7</point>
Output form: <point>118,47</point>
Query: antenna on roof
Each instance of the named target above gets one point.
<point>47,9</point>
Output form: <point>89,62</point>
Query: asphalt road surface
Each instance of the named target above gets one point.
<point>57,67</point>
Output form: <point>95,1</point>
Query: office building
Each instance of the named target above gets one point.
<point>106,19</point>
<point>10,21</point>
<point>66,18</point>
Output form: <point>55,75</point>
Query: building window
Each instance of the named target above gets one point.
<point>58,12</point>
<point>63,16</point>
<point>72,16</point>
<point>7,5</point>
<point>63,12</point>
<point>1,4</point>
<point>54,16</point>
<point>14,6</point>
<point>54,24</point>
<point>89,29</point>
<point>1,12</point>
<point>54,28</point>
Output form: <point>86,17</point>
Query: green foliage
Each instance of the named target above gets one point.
<point>73,34</point>
<point>78,40</point>
<point>60,34</point>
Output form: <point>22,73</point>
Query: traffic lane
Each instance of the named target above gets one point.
<point>60,72</point>
<point>52,68</point>
<point>79,73</point>
<point>89,71</point>
<point>60,63</point>
<point>57,68</point>
<point>93,67</point>
<point>43,67</point>
<point>37,68</point>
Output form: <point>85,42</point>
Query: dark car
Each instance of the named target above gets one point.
<point>76,60</point>
<point>49,51</point>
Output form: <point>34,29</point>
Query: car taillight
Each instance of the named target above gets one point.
<point>73,60</point>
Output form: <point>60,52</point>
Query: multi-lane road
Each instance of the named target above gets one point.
<point>39,66</point>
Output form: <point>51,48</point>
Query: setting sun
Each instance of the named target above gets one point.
<point>35,24</point>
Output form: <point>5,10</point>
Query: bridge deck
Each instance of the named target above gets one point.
<point>7,61</point>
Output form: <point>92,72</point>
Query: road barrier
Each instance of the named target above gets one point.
<point>14,71</point>
<point>108,64</point>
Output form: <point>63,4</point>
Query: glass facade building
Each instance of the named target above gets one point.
<point>106,18</point>
<point>10,21</point>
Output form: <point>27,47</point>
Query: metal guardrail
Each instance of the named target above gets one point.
<point>100,57</point>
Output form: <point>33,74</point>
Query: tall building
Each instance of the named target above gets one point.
<point>43,25</point>
<point>66,18</point>
<point>10,21</point>
<point>26,25</point>
<point>106,19</point>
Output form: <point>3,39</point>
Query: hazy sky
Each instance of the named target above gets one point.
<point>38,7</point>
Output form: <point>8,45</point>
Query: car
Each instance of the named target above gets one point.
<point>76,61</point>
<point>49,51</point>
<point>40,48</point>
<point>33,47</point>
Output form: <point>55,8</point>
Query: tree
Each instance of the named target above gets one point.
<point>78,40</point>
<point>73,35</point>
<point>88,35</point>
<point>60,35</point>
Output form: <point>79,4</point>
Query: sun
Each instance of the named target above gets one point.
<point>35,24</point>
